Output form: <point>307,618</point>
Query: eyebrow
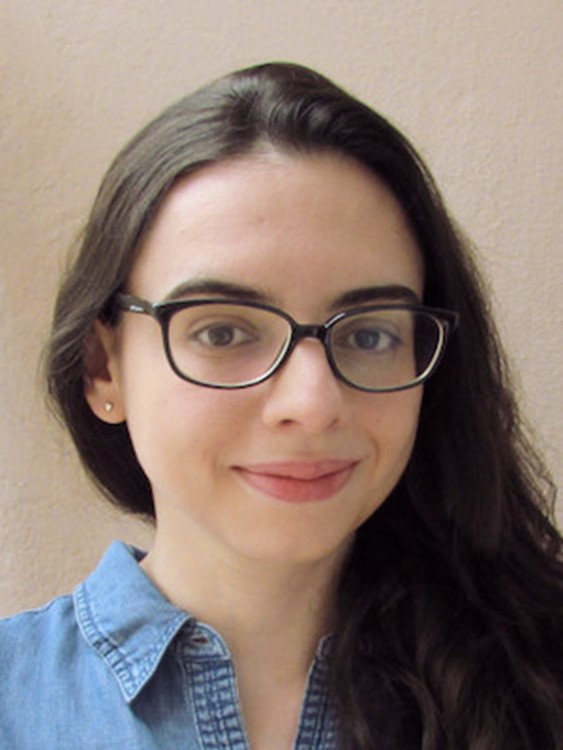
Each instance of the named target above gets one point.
<point>215,287</point>
<point>384,293</point>
<point>230,290</point>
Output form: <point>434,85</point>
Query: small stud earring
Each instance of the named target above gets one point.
<point>108,406</point>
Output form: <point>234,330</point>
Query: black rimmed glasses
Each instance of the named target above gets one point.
<point>227,344</point>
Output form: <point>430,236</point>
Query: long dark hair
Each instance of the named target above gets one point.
<point>449,630</point>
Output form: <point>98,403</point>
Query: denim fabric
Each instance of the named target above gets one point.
<point>117,667</point>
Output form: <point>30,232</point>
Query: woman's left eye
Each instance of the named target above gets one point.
<point>368,340</point>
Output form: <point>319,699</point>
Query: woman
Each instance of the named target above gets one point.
<point>274,342</point>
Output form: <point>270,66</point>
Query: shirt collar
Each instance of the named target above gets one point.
<point>124,617</point>
<point>131,624</point>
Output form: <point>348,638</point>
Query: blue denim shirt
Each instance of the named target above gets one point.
<point>116,666</point>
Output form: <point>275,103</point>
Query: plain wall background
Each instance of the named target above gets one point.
<point>475,84</point>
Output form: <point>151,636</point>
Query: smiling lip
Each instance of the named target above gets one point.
<point>296,481</point>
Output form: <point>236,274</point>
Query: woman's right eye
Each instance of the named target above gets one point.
<point>220,335</point>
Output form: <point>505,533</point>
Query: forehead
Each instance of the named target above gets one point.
<point>312,225</point>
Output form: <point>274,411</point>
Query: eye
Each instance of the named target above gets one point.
<point>370,339</point>
<point>221,335</point>
<point>367,338</point>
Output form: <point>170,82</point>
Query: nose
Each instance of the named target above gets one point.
<point>306,392</point>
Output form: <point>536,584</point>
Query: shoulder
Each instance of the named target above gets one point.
<point>43,626</point>
<point>38,646</point>
<point>41,657</point>
<point>57,689</point>
<point>51,642</point>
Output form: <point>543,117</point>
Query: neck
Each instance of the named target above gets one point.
<point>271,612</point>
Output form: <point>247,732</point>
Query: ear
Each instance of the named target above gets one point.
<point>101,374</point>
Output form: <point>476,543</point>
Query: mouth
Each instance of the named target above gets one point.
<point>299,482</point>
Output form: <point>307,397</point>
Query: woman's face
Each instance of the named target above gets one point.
<point>286,470</point>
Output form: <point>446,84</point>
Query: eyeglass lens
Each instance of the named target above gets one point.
<point>229,345</point>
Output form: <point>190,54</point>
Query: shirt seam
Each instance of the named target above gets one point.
<point>117,659</point>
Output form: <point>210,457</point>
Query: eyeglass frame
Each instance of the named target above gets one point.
<point>163,312</point>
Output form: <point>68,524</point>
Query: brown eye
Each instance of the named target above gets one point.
<point>221,336</point>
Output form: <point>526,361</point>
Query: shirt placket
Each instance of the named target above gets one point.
<point>213,695</point>
<point>317,725</point>
<point>212,692</point>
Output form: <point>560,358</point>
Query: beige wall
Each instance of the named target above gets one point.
<point>476,84</point>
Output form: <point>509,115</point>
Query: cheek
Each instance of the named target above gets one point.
<point>392,418</point>
<point>409,412</point>
<point>392,423</point>
<point>182,432</point>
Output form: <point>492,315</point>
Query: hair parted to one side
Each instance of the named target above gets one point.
<point>450,625</point>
